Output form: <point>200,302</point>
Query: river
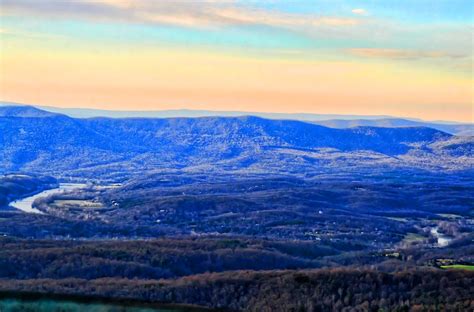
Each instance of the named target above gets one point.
<point>26,204</point>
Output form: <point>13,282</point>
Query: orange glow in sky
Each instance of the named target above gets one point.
<point>313,63</point>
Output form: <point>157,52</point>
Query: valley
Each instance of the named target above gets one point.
<point>365,213</point>
<point>236,155</point>
<point>192,210</point>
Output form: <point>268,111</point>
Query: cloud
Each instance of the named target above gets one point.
<point>205,13</point>
<point>115,3</point>
<point>261,17</point>
<point>400,54</point>
<point>360,12</point>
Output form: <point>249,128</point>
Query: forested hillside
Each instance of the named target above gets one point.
<point>115,149</point>
<point>320,290</point>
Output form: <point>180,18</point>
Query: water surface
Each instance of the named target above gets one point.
<point>26,204</point>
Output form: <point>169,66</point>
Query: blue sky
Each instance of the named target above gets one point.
<point>414,11</point>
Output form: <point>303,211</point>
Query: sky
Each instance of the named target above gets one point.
<point>396,57</point>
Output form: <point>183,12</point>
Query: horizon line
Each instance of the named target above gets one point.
<point>241,113</point>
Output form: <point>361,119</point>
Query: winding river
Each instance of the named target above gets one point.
<point>26,204</point>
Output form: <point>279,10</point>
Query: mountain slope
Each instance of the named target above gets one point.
<point>33,140</point>
<point>328,120</point>
<point>25,112</point>
<point>239,133</point>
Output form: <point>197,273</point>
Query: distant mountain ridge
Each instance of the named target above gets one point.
<point>328,120</point>
<point>24,111</point>
<point>38,141</point>
<point>458,129</point>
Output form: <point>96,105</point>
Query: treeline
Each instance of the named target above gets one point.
<point>161,258</point>
<point>176,257</point>
<point>313,290</point>
<point>240,274</point>
<point>15,186</point>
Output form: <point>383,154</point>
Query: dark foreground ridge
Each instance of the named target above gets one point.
<point>317,290</point>
<point>238,274</point>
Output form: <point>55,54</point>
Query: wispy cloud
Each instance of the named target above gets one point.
<point>246,16</point>
<point>205,13</point>
<point>341,32</point>
<point>360,12</point>
<point>399,54</point>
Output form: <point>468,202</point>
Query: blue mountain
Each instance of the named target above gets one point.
<point>35,140</point>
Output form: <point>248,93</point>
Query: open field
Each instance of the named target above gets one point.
<point>458,267</point>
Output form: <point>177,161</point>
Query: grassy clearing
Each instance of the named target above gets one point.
<point>82,204</point>
<point>412,238</point>
<point>458,267</point>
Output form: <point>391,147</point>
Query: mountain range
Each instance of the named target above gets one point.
<point>35,140</point>
<point>328,120</point>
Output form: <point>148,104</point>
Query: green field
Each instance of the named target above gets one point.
<point>459,267</point>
